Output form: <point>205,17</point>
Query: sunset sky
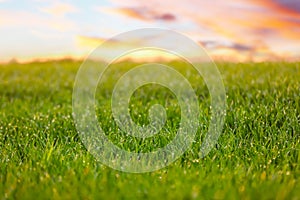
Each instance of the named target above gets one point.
<point>238,30</point>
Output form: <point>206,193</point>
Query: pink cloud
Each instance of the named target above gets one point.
<point>140,13</point>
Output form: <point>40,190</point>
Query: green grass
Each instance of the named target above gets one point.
<point>257,155</point>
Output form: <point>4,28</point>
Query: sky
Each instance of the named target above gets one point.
<point>235,30</point>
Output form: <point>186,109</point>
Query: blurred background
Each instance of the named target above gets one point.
<point>236,30</point>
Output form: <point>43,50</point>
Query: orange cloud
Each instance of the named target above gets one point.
<point>278,6</point>
<point>241,22</point>
<point>84,41</point>
<point>275,15</point>
<point>134,13</point>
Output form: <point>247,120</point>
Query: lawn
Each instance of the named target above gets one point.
<point>257,155</point>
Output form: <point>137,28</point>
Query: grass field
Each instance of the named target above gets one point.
<point>257,155</point>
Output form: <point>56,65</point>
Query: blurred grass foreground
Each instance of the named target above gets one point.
<point>256,157</point>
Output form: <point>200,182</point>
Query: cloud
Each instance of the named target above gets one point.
<point>46,35</point>
<point>211,45</point>
<point>131,12</point>
<point>240,23</point>
<point>285,12</point>
<point>86,41</point>
<point>166,17</point>
<point>292,5</point>
<point>19,19</point>
<point>140,13</point>
<point>59,9</point>
<point>130,47</point>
